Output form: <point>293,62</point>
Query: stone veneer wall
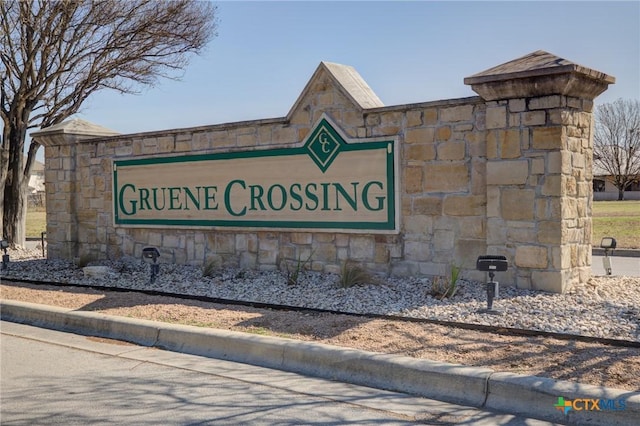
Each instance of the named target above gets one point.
<point>539,192</point>
<point>506,173</point>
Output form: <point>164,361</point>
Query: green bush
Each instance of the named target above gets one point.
<point>210,267</point>
<point>442,287</point>
<point>353,274</point>
<point>293,271</point>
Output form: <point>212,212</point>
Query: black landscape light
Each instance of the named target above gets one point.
<point>491,264</point>
<point>4,245</point>
<point>607,243</point>
<point>151,255</point>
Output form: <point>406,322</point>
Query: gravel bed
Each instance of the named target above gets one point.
<point>606,307</point>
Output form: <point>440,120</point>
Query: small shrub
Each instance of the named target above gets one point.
<point>293,271</point>
<point>446,286</point>
<point>354,274</point>
<point>213,265</point>
<point>209,268</point>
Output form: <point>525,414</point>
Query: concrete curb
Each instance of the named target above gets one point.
<point>479,387</point>
<point>452,383</point>
<point>535,396</point>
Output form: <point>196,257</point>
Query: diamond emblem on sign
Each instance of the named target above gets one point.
<point>324,145</point>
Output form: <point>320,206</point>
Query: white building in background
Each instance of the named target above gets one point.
<point>36,185</point>
<point>605,190</point>
<point>36,182</point>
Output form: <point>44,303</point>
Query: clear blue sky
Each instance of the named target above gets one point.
<point>406,51</point>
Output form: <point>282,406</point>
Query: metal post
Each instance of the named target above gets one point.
<point>42,234</point>
<point>606,262</point>
<point>492,292</point>
<point>155,268</point>
<point>607,243</point>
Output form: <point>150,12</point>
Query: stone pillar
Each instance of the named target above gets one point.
<point>539,167</point>
<point>61,182</point>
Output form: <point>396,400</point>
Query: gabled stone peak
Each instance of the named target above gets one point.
<point>354,85</point>
<point>75,126</point>
<point>347,80</point>
<point>537,63</point>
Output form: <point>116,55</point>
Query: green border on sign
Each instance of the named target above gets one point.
<point>387,145</point>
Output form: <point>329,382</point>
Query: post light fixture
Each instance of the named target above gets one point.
<point>607,243</point>
<point>150,255</point>
<point>4,245</point>
<point>491,264</point>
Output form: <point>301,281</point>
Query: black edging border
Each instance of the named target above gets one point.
<point>509,331</point>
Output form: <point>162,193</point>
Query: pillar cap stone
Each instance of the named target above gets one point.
<point>539,74</point>
<point>70,131</point>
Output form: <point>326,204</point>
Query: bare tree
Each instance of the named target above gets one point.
<point>54,54</point>
<point>616,142</point>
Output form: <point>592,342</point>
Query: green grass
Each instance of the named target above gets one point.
<point>36,223</point>
<point>617,219</point>
<point>616,208</point>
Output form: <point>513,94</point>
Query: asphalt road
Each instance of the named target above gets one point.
<point>620,266</point>
<point>50,377</point>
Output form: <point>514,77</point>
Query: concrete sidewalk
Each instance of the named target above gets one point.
<point>529,396</point>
